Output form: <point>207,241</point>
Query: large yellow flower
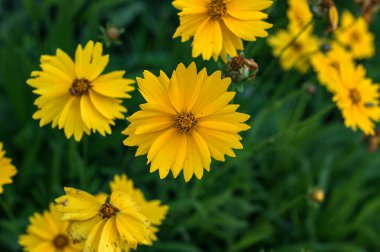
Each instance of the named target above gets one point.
<point>7,170</point>
<point>355,36</point>
<point>328,65</point>
<point>48,233</point>
<point>104,225</point>
<point>152,209</point>
<point>219,26</point>
<point>357,98</point>
<point>75,96</point>
<point>298,54</point>
<point>299,14</point>
<point>186,120</point>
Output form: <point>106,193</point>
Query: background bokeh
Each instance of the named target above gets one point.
<point>257,201</point>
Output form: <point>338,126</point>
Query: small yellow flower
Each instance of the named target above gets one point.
<point>47,233</point>
<point>355,36</point>
<point>357,98</point>
<point>100,224</point>
<point>219,26</point>
<point>328,65</point>
<point>75,96</point>
<point>7,170</point>
<point>298,54</point>
<point>299,14</point>
<point>187,120</point>
<point>152,209</point>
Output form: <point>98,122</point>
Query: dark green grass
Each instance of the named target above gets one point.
<point>257,201</point>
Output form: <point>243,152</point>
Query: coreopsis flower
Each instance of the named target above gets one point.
<point>75,96</point>
<point>299,14</point>
<point>358,98</point>
<point>185,121</point>
<point>113,224</point>
<point>219,26</point>
<point>47,232</point>
<point>297,54</point>
<point>328,65</point>
<point>355,36</point>
<point>152,209</point>
<point>7,170</point>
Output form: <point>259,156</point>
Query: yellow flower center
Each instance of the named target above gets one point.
<point>185,122</point>
<point>355,96</point>
<point>335,65</point>
<point>355,36</point>
<point>217,9</point>
<point>297,46</point>
<point>80,87</point>
<point>108,210</point>
<point>61,241</point>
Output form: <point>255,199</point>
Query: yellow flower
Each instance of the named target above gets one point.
<point>75,96</point>
<point>355,36</point>
<point>327,66</point>
<point>186,121</point>
<point>219,26</point>
<point>100,224</point>
<point>298,54</point>
<point>47,233</point>
<point>7,170</point>
<point>357,98</point>
<point>153,210</point>
<point>299,14</point>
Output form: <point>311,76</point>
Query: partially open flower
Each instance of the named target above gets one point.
<point>241,69</point>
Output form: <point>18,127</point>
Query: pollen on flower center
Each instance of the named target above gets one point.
<point>355,96</point>
<point>217,9</point>
<point>61,241</point>
<point>185,122</point>
<point>80,87</point>
<point>108,210</point>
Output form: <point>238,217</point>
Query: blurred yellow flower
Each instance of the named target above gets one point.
<point>152,209</point>
<point>219,26</point>
<point>357,98</point>
<point>299,14</point>
<point>75,96</point>
<point>7,170</point>
<point>328,65</point>
<point>298,54</point>
<point>355,36</point>
<point>187,120</point>
<point>100,224</point>
<point>48,233</point>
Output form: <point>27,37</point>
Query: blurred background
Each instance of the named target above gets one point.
<point>258,201</point>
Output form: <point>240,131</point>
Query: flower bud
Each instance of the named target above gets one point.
<point>317,195</point>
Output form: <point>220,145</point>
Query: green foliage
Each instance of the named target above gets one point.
<point>257,201</point>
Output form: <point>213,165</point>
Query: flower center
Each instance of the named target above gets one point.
<point>108,210</point>
<point>217,9</point>
<point>185,122</point>
<point>355,37</point>
<point>335,65</point>
<point>297,46</point>
<point>80,87</point>
<point>355,96</point>
<point>61,241</point>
